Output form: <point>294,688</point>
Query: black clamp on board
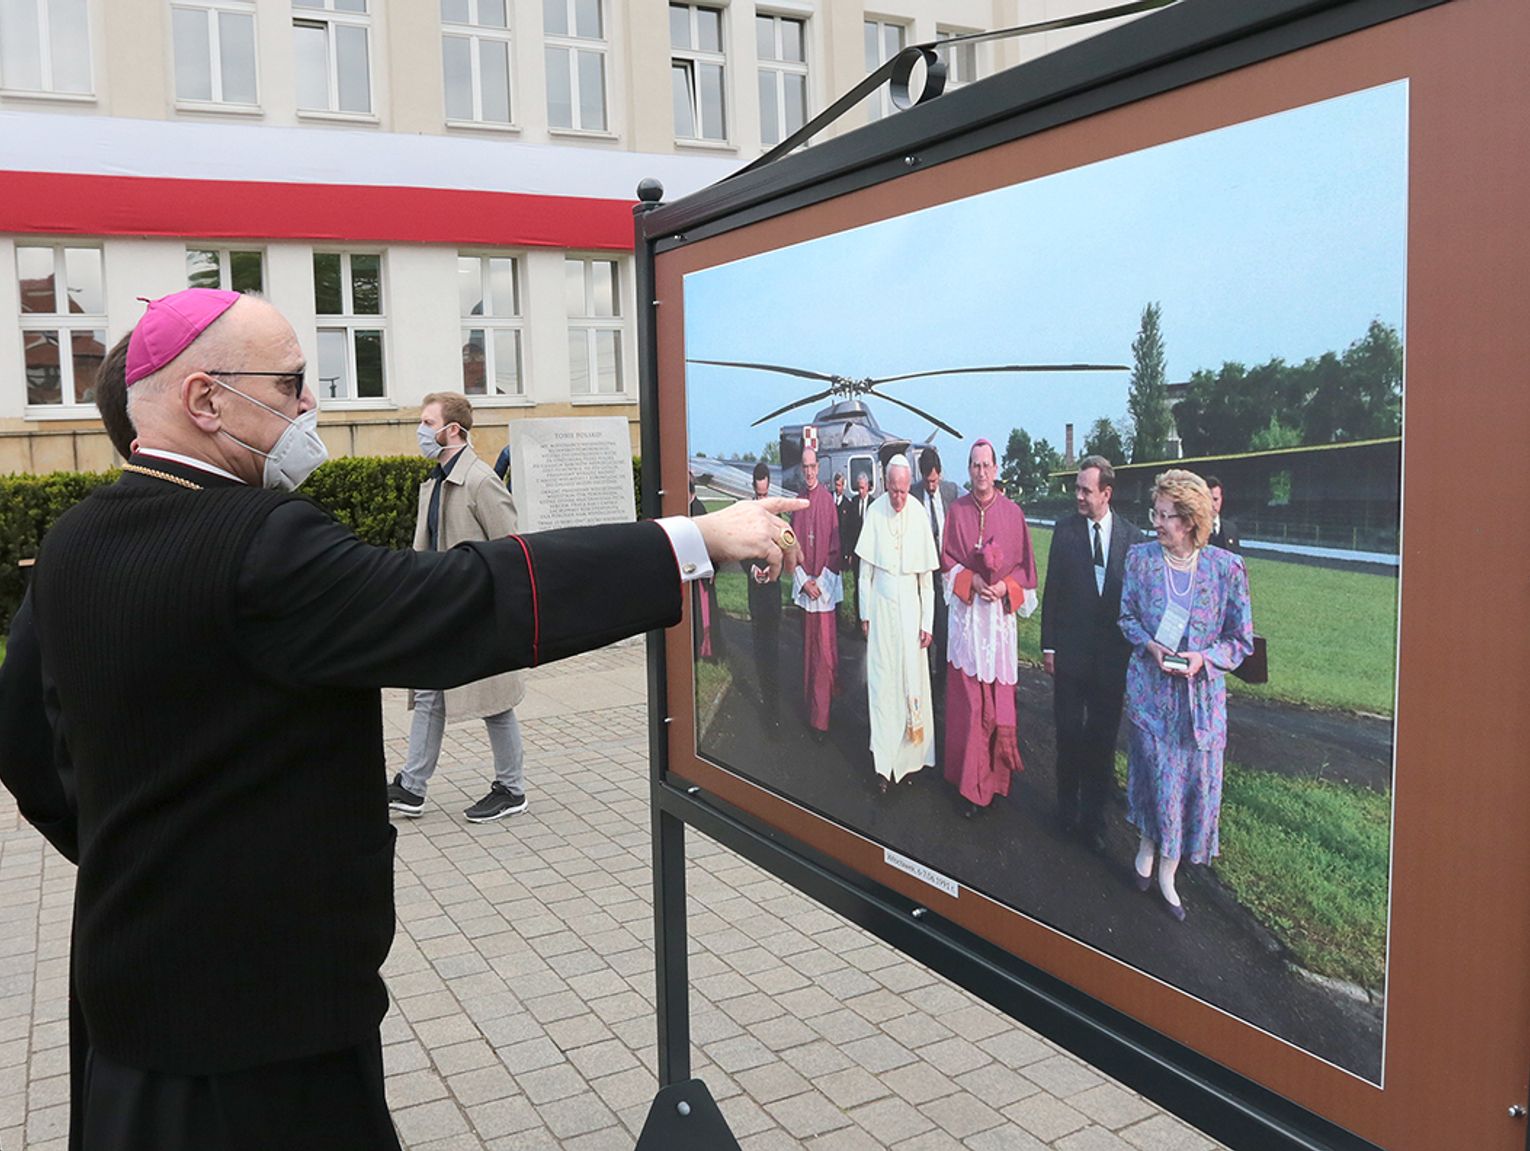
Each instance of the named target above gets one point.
<point>684,1117</point>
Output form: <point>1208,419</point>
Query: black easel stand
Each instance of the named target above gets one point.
<point>684,1118</point>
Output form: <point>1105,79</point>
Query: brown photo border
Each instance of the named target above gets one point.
<point>1457,1046</point>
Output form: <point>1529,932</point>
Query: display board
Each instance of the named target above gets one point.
<point>1273,242</point>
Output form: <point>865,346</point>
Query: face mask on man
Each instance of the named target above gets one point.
<point>296,453</point>
<point>430,447</point>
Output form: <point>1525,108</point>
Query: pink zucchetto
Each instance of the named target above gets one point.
<point>169,325</point>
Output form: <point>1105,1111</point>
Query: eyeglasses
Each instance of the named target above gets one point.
<point>294,379</point>
<point>1155,518</point>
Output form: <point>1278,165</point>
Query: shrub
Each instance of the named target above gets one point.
<point>28,506</point>
<point>376,497</point>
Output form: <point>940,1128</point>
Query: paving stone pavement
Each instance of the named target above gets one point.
<point>522,978</point>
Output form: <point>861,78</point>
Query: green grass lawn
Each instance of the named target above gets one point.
<point>1308,859</point>
<point>712,679</point>
<point>733,592</point>
<point>1332,634</point>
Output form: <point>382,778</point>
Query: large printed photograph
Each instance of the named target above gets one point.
<point>1094,606</point>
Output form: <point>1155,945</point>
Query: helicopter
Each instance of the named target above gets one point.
<point>846,435</point>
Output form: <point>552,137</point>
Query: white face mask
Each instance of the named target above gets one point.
<point>296,453</point>
<point>430,447</point>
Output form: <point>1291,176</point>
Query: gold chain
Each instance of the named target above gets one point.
<point>166,476</point>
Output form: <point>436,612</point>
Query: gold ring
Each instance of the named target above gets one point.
<point>788,539</point>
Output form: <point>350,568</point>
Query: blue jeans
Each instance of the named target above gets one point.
<point>425,744</point>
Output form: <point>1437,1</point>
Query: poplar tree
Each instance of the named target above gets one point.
<point>1147,398</point>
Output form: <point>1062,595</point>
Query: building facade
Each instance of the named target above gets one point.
<point>437,193</point>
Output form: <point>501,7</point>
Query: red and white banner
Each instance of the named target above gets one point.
<point>105,176</point>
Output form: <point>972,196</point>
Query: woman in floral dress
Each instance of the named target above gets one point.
<point>1185,610</point>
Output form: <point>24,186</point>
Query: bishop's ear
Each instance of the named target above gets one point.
<point>199,398</point>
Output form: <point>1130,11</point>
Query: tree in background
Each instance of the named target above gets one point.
<point>1332,398</point>
<point>1017,467</point>
<point>1223,410</point>
<point>1357,396</point>
<point>1274,436</point>
<point>1104,439</point>
<point>1045,459</point>
<point>1026,466</point>
<point>1147,396</point>
<point>772,452</point>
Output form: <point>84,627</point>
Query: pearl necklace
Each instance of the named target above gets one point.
<point>1173,563</point>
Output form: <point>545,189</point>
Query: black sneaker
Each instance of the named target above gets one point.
<point>500,802</point>
<point>400,798</point>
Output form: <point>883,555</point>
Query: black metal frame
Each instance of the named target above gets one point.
<point>1190,41</point>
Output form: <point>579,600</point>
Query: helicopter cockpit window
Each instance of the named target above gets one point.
<point>863,466</point>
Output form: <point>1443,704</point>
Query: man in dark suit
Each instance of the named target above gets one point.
<point>221,712</point>
<point>1085,652</point>
<point>1224,529</point>
<point>765,624</point>
<point>852,514</point>
<point>845,505</point>
<point>937,495</point>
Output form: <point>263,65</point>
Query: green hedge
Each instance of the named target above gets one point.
<point>28,506</point>
<point>377,497</point>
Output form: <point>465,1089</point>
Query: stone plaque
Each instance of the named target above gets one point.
<point>571,472</point>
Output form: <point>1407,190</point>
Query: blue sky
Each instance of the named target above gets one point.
<point>1284,236</point>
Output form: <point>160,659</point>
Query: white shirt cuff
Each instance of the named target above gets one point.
<point>1028,604</point>
<point>690,549</point>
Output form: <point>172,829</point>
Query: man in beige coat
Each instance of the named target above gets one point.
<point>463,500</point>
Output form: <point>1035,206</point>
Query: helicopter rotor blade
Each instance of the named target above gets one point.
<point>939,423</point>
<point>794,404</point>
<point>1007,368</point>
<point>802,372</point>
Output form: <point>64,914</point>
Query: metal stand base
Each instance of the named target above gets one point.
<point>685,1118</point>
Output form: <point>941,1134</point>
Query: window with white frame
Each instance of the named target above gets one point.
<point>489,295</point>
<point>961,59</point>
<point>884,40</point>
<point>696,72</point>
<point>215,52</point>
<point>592,292</point>
<point>332,42</point>
<point>232,270</point>
<point>576,64</point>
<point>63,321</point>
<point>348,302</point>
<point>781,47</point>
<point>475,60</point>
<point>45,46</point>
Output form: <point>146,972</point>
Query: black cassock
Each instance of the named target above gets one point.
<point>319,611</point>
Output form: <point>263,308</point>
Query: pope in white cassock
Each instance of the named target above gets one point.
<point>897,608</point>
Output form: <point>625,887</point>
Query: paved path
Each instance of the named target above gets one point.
<point>523,979</point>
